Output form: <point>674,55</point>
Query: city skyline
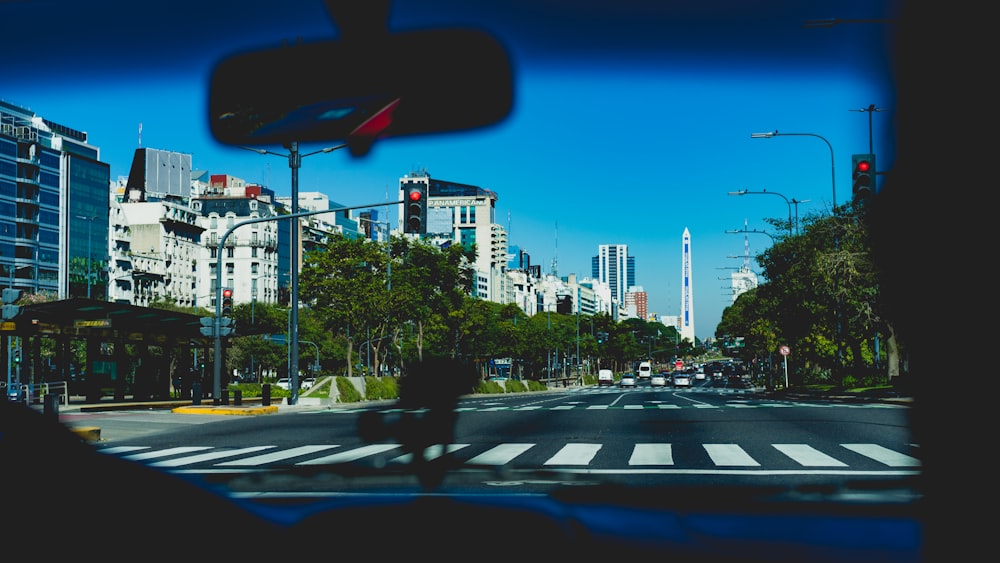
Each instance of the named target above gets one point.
<point>682,143</point>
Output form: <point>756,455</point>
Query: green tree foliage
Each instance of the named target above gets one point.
<point>821,298</point>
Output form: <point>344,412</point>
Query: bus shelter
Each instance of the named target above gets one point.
<point>102,348</point>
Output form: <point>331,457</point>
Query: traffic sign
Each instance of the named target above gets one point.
<point>785,350</point>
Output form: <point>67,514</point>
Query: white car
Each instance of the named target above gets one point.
<point>658,380</point>
<point>307,383</point>
<point>682,380</point>
<point>605,377</point>
<point>284,383</point>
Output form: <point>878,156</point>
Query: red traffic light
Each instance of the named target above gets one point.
<point>227,293</point>
<point>415,195</point>
<point>864,166</point>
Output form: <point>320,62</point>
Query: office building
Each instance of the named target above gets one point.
<point>614,267</point>
<point>53,207</point>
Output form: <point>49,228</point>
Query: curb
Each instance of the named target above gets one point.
<point>212,409</point>
<point>88,433</point>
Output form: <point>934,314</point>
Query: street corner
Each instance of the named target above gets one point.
<point>231,410</point>
<point>88,433</point>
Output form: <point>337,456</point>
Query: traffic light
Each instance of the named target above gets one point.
<point>415,208</point>
<point>227,302</point>
<point>863,171</point>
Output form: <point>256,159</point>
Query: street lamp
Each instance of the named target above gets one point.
<point>745,230</point>
<point>869,110</point>
<point>775,133</point>
<point>294,162</point>
<point>765,192</point>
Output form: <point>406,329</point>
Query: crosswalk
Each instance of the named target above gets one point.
<point>773,458</point>
<point>654,404</point>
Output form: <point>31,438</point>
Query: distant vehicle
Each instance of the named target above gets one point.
<point>628,380</point>
<point>682,380</point>
<point>714,370</point>
<point>605,377</point>
<point>285,383</point>
<point>307,383</point>
<point>658,380</point>
<point>645,370</point>
<point>700,374</point>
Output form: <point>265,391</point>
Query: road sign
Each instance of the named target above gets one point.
<point>785,350</point>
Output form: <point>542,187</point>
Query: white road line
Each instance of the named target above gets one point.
<point>210,456</point>
<point>574,454</point>
<point>499,455</point>
<point>808,455</point>
<point>350,455</point>
<point>729,454</point>
<point>165,453</point>
<point>277,456</point>
<point>433,451</point>
<point>652,454</point>
<point>884,455</point>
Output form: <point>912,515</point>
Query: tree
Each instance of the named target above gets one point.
<point>345,283</point>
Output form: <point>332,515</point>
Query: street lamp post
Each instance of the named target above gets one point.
<point>833,181</point>
<point>765,192</point>
<point>869,110</point>
<point>745,230</point>
<point>294,162</point>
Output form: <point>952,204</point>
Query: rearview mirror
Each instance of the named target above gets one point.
<point>361,90</point>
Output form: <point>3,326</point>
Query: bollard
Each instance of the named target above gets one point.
<point>196,393</point>
<point>237,397</point>
<point>225,397</point>
<point>51,404</point>
<point>265,395</point>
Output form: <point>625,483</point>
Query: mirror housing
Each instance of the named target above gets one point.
<point>363,89</point>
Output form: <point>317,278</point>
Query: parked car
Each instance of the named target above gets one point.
<point>307,383</point>
<point>284,383</point>
<point>605,377</point>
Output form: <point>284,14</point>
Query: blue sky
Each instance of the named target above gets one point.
<point>596,153</point>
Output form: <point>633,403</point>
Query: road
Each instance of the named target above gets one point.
<point>634,436</point>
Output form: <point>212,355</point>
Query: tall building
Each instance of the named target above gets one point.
<point>687,289</point>
<point>53,207</point>
<point>636,302</point>
<point>466,215</point>
<point>614,267</point>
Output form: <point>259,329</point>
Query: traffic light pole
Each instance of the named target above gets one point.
<point>217,322</point>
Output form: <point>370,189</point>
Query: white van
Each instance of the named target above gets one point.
<point>645,370</point>
<point>605,377</point>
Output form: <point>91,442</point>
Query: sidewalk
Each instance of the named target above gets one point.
<point>92,433</point>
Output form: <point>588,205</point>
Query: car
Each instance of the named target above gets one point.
<point>283,383</point>
<point>658,380</point>
<point>682,380</point>
<point>307,383</point>
<point>605,377</point>
<point>627,380</point>
<point>105,76</point>
<point>699,374</point>
<point>645,370</point>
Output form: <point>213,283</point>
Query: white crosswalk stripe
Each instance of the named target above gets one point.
<point>577,454</point>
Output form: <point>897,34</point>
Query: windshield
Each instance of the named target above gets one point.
<point>415,274</point>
